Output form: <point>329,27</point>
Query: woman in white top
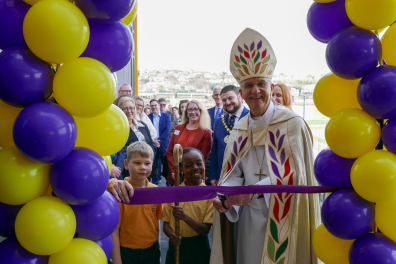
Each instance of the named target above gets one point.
<point>143,116</point>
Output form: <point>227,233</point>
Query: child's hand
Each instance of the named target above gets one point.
<point>175,240</point>
<point>178,212</point>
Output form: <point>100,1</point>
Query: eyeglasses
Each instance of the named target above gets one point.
<point>153,105</point>
<point>138,105</point>
<point>162,104</point>
<point>128,108</point>
<point>193,110</point>
<point>216,95</point>
<point>260,84</point>
<point>126,91</point>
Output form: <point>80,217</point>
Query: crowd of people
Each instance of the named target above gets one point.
<point>229,142</point>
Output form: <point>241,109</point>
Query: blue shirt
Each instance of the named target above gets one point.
<point>156,119</point>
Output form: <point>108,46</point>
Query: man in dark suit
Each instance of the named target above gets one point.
<point>162,105</point>
<point>216,111</point>
<point>162,124</point>
<point>232,103</point>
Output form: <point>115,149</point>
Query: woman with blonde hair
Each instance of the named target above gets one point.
<point>138,131</point>
<point>281,94</point>
<point>193,132</point>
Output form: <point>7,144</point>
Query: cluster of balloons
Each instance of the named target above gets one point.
<point>357,96</point>
<point>58,127</point>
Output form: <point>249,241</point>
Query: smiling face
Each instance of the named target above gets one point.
<point>162,106</point>
<point>139,167</point>
<point>257,94</point>
<point>193,113</point>
<point>139,106</point>
<point>193,167</point>
<point>154,107</point>
<point>231,102</point>
<point>277,95</point>
<point>129,109</point>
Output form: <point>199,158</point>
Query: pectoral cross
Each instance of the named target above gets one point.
<point>261,174</point>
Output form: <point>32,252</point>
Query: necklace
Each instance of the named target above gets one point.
<point>226,127</point>
<point>259,174</point>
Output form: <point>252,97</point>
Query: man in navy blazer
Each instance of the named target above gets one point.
<point>162,123</point>
<point>232,103</point>
<point>216,111</point>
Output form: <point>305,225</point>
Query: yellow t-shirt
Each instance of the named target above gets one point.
<point>200,211</point>
<point>139,224</point>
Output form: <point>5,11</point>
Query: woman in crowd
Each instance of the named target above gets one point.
<point>147,110</point>
<point>178,116</point>
<point>138,131</point>
<point>281,94</point>
<point>194,132</point>
<point>139,102</point>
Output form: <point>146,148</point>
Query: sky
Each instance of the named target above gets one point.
<point>198,35</point>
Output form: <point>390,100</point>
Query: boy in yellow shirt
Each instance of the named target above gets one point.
<point>135,240</point>
<point>196,217</point>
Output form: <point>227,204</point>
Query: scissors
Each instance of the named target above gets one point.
<point>222,198</point>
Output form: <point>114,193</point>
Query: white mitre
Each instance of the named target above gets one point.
<point>252,56</point>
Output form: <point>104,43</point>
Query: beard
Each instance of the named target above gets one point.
<point>234,109</point>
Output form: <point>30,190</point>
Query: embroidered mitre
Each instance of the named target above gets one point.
<point>252,56</point>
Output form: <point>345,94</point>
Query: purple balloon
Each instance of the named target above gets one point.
<point>80,178</point>
<point>105,11</point>
<point>110,44</point>
<point>373,248</point>
<point>11,252</point>
<point>24,78</point>
<point>377,92</point>
<point>8,214</point>
<point>332,170</point>
<point>44,132</point>
<point>326,19</point>
<point>353,52</point>
<point>106,244</point>
<point>12,14</point>
<point>98,219</point>
<point>346,215</point>
<point>389,135</point>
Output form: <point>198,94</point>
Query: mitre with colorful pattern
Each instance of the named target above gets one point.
<point>252,56</point>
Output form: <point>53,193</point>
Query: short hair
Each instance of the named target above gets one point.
<point>141,148</point>
<point>204,119</point>
<point>186,150</point>
<point>154,100</point>
<point>287,100</point>
<point>175,108</point>
<point>217,87</point>
<point>180,103</point>
<point>123,100</point>
<point>230,88</point>
<point>161,100</point>
<point>125,84</point>
<point>136,97</point>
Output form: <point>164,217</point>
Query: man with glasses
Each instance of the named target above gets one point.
<point>270,146</point>
<point>125,90</point>
<point>216,111</point>
<point>162,104</point>
<point>162,124</point>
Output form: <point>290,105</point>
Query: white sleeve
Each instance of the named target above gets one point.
<point>153,132</point>
<point>235,179</point>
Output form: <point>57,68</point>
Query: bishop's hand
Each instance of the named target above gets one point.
<point>219,206</point>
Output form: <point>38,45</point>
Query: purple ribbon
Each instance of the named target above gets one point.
<point>195,193</point>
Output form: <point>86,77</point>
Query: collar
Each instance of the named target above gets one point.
<point>218,107</point>
<point>137,123</point>
<point>184,183</point>
<point>159,114</point>
<point>239,112</point>
<point>145,183</point>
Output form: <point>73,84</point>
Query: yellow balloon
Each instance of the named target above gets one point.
<point>330,249</point>
<point>84,87</point>
<point>80,251</point>
<point>105,134</point>
<point>352,132</point>
<point>108,162</point>
<point>371,14</point>
<point>21,179</point>
<point>373,176</point>
<point>131,16</point>
<point>333,94</point>
<point>56,31</point>
<point>385,217</point>
<point>388,45</point>
<point>7,119</point>
<point>45,225</point>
